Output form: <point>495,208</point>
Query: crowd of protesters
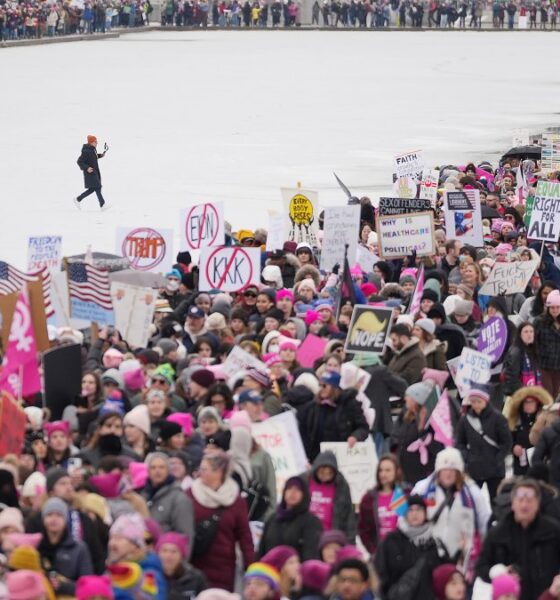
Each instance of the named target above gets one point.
<point>151,484</point>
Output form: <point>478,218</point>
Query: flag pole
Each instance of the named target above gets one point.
<point>343,279</point>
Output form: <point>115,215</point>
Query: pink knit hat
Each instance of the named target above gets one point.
<point>368,289</point>
<point>315,575</point>
<point>240,418</point>
<point>91,586</point>
<point>185,420</point>
<point>505,584</point>
<point>25,585</point>
<point>112,358</point>
<point>502,249</point>
<point>347,552</point>
<point>107,484</point>
<point>134,379</point>
<point>278,556</point>
<point>51,428</point>
<point>285,293</point>
<point>138,474</point>
<point>25,539</point>
<point>311,316</point>
<point>181,542</point>
<point>12,517</point>
<point>131,527</point>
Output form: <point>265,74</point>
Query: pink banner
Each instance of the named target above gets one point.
<point>440,420</point>
<point>416,299</point>
<point>310,350</point>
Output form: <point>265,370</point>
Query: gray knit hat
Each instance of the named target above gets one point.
<point>419,392</point>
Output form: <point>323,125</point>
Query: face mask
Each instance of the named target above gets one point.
<point>172,286</point>
<point>110,444</point>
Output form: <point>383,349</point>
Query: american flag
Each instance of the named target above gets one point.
<point>89,284</point>
<point>12,280</point>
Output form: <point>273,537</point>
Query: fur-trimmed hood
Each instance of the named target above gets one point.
<point>308,272</point>
<point>291,259</point>
<point>543,397</point>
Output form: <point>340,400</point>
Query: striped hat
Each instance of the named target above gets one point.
<point>265,572</point>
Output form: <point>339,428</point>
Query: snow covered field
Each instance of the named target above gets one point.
<point>234,116</point>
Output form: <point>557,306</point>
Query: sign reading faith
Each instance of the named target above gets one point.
<point>545,216</point>
<point>409,164</point>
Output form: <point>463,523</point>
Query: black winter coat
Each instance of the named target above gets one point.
<point>187,585</point>
<point>88,158</point>
<point>547,341</point>
<point>384,384</point>
<point>547,450</point>
<point>483,460</point>
<point>534,551</point>
<point>513,367</point>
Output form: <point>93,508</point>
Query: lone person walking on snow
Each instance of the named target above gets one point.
<point>89,165</point>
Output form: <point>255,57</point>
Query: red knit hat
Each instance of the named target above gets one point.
<point>440,578</point>
<point>91,139</point>
<point>278,556</point>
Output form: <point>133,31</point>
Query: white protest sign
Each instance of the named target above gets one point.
<point>229,268</point>
<point>474,368</point>
<point>341,227</point>
<point>400,235</point>
<point>146,248</point>
<point>357,464</point>
<point>44,251</point>
<point>545,217</point>
<point>134,311</point>
<point>405,187</point>
<point>276,235</point>
<point>429,185</point>
<point>409,164</point>
<point>463,217</point>
<point>60,302</point>
<point>550,152</point>
<point>509,277</point>
<point>239,360</point>
<point>280,437</point>
<point>365,258</point>
<point>301,208</point>
<point>203,225</point>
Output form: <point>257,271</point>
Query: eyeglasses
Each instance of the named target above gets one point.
<point>159,380</point>
<point>250,294</point>
<point>352,580</point>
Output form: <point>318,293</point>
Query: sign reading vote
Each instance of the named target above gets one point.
<point>368,329</point>
<point>203,225</point>
<point>399,206</point>
<point>229,268</point>
<point>493,338</point>
<point>545,216</point>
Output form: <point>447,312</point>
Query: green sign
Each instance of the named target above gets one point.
<point>528,210</point>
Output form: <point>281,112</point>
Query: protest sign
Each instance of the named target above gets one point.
<point>134,310</point>
<point>400,235</point>
<point>550,152</point>
<point>493,338</point>
<point>440,420</point>
<point>279,436</point>
<point>276,232</point>
<point>405,187</point>
<point>90,293</point>
<point>302,210</point>
<point>229,268</point>
<point>429,186</point>
<point>62,368</point>
<point>12,425</point>
<point>146,248</point>
<point>341,227</point>
<point>409,164</point>
<point>416,298</point>
<point>351,376</point>
<point>528,210</point>
<point>473,368</point>
<point>240,360</point>
<point>509,277</point>
<point>365,258</point>
<point>401,206</point>
<point>310,350</point>
<point>463,217</point>
<point>44,251</point>
<point>357,464</point>
<point>203,226</point>
<point>545,216</point>
<point>368,329</point>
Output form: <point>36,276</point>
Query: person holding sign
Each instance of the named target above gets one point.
<point>547,336</point>
<point>92,175</point>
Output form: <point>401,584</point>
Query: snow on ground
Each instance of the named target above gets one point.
<point>195,116</point>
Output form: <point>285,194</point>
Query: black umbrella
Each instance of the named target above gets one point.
<point>531,151</point>
<point>489,213</point>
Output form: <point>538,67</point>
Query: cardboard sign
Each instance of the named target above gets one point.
<point>280,437</point>
<point>203,226</point>
<point>229,268</point>
<point>429,186</point>
<point>365,258</point>
<point>409,164</point>
<point>62,368</point>
<point>357,464</point>
<point>134,310</point>
<point>276,235</point>
<point>239,360</point>
<point>342,226</point>
<point>545,216</point>
<point>550,153</point>
<point>369,329</point>
<point>401,206</point>
<point>12,425</point>
<point>463,217</point>
<point>400,235</point>
<point>509,277</point>
<point>473,368</point>
<point>492,339</point>
<point>44,251</point>
<point>302,210</point>
<point>146,248</point>
<point>310,350</point>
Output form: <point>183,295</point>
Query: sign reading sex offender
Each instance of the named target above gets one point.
<point>400,235</point>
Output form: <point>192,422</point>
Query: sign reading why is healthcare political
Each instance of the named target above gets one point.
<point>229,268</point>
<point>369,329</point>
<point>545,216</point>
<point>400,235</point>
<point>302,209</point>
<point>146,248</point>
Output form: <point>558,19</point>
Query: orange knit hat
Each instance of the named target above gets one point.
<point>91,139</point>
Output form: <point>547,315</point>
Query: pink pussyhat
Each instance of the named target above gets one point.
<point>181,542</point>
<point>138,474</point>
<point>25,539</point>
<point>240,418</point>
<point>134,379</point>
<point>51,428</point>
<point>185,420</point>
<point>347,552</point>
<point>94,586</point>
<point>107,484</point>
<point>356,271</point>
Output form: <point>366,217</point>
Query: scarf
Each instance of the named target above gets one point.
<point>419,536</point>
<point>225,495</point>
<point>152,490</point>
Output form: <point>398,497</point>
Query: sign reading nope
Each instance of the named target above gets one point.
<point>229,268</point>
<point>204,225</point>
<point>369,329</point>
<point>147,249</point>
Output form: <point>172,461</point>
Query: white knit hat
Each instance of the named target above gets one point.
<point>34,485</point>
<point>139,417</point>
<point>450,458</point>
<point>309,381</point>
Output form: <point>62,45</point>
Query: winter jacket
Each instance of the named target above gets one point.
<point>368,521</point>
<point>547,341</point>
<point>408,362</point>
<point>534,551</point>
<point>218,563</point>
<point>344,517</point>
<point>88,158</point>
<point>547,450</point>
<point>383,384</point>
<point>263,472</point>
<point>483,460</point>
<point>325,423</point>
<point>187,585</point>
<point>471,329</point>
<point>513,367</point>
<point>435,355</point>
